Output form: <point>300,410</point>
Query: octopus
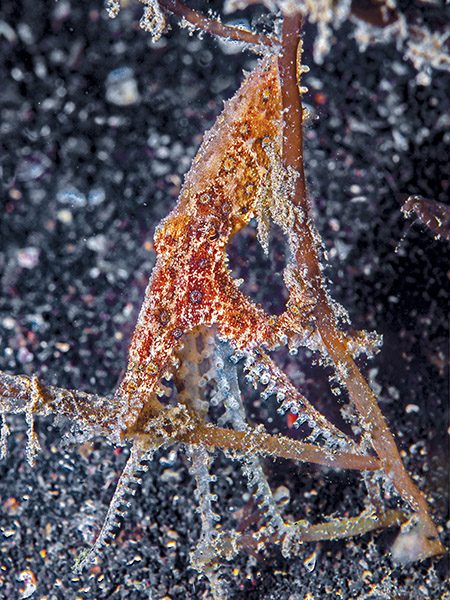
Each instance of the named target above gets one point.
<point>195,322</point>
<point>191,285</point>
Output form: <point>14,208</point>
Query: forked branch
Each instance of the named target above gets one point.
<point>309,270</point>
<point>18,392</point>
<point>214,26</point>
<point>242,169</point>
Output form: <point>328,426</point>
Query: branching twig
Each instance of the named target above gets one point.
<point>214,26</point>
<point>256,441</point>
<point>96,412</point>
<point>308,264</point>
<point>148,421</point>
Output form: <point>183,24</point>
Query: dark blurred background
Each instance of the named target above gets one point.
<point>97,127</point>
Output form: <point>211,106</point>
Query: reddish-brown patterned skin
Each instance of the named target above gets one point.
<point>191,284</point>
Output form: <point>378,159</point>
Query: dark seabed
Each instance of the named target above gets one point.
<point>97,128</point>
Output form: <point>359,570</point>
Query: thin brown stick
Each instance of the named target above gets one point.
<point>254,441</point>
<point>336,529</point>
<point>18,391</point>
<point>292,105</point>
<point>215,27</point>
<point>378,14</point>
<point>308,264</point>
<point>301,532</point>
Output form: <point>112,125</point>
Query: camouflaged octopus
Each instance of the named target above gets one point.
<point>191,284</point>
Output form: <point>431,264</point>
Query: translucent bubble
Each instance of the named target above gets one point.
<point>121,87</point>
<point>71,195</point>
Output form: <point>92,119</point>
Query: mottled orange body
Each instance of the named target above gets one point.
<point>191,284</point>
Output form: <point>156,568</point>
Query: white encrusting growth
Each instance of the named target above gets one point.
<point>4,434</point>
<point>112,7</point>
<point>428,50</point>
<point>130,476</point>
<point>205,557</point>
<point>274,202</point>
<point>234,414</point>
<point>153,20</point>
<point>33,445</point>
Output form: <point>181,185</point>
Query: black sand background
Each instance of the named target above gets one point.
<point>84,181</point>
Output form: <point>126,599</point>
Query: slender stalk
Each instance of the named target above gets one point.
<point>215,27</point>
<point>308,264</point>
<point>378,14</point>
<point>336,529</point>
<point>254,441</point>
<point>292,104</point>
<point>17,392</point>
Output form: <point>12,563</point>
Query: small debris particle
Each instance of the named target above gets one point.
<point>310,561</point>
<point>282,495</point>
<point>121,87</point>
<point>62,346</point>
<point>172,534</point>
<point>28,258</point>
<point>30,583</point>
<point>11,505</point>
<point>64,216</point>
